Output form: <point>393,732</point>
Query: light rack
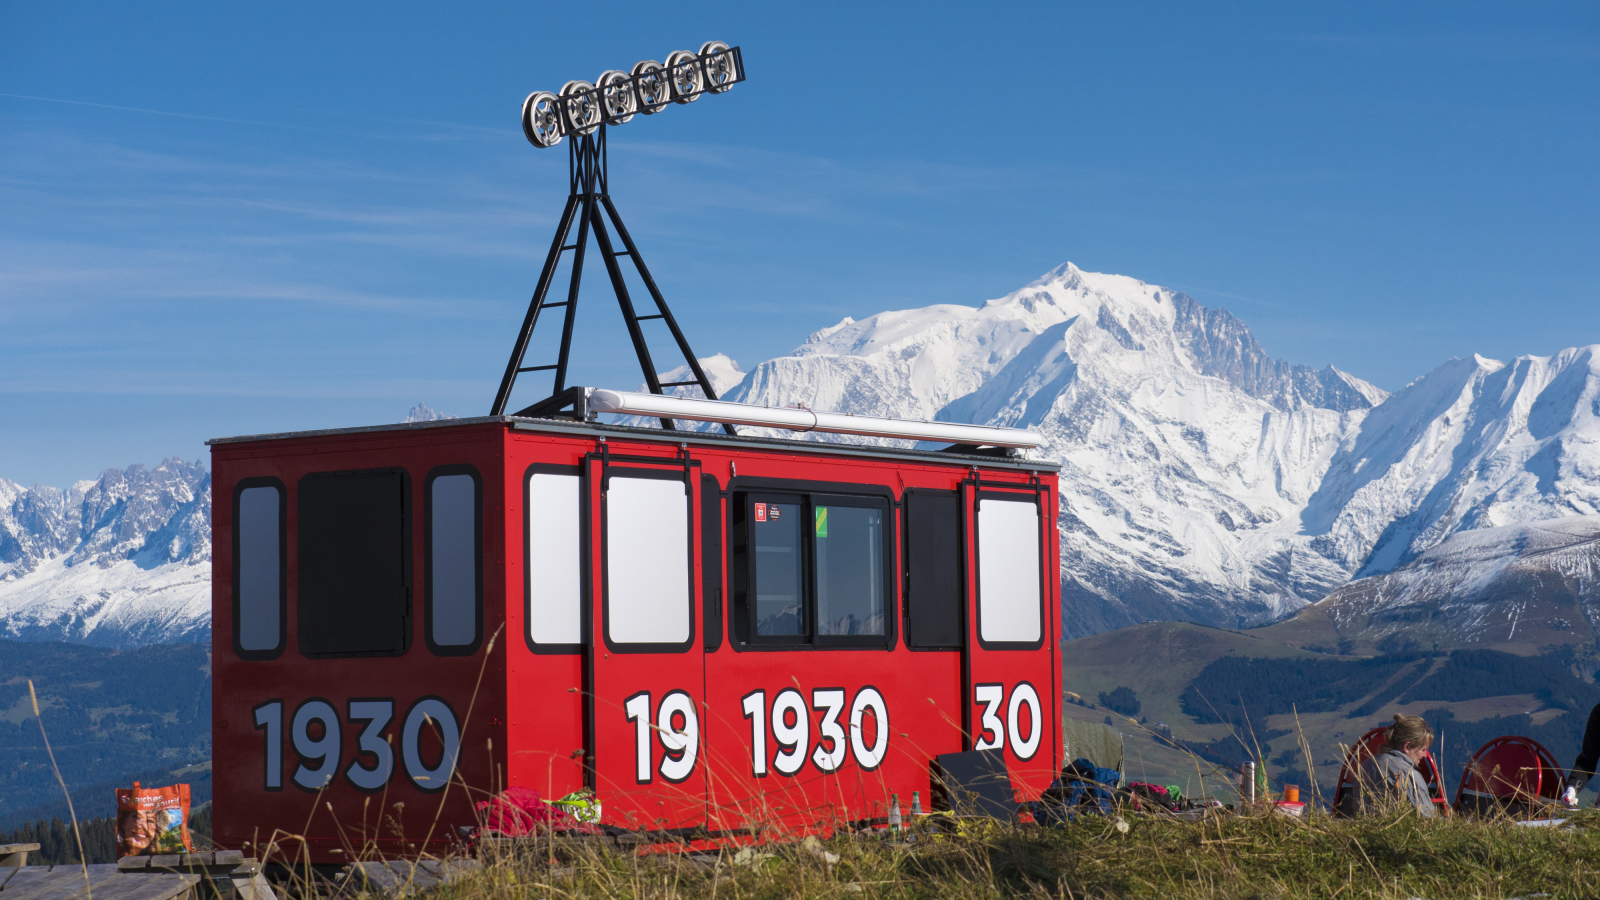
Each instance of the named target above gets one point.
<point>616,96</point>
<point>585,112</point>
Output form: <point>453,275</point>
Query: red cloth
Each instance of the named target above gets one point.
<point>519,811</point>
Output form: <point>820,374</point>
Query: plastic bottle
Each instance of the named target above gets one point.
<point>894,812</point>
<point>916,803</point>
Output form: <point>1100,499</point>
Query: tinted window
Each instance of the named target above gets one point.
<point>775,535</point>
<point>354,587</point>
<point>258,566</point>
<point>849,542</point>
<point>555,561</point>
<point>1008,571</point>
<point>933,569</point>
<point>811,569</point>
<point>453,570</point>
<point>647,561</point>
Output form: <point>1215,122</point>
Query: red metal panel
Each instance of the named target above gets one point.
<point>544,692</point>
<point>646,706</point>
<point>398,815</point>
<point>1012,692</point>
<point>528,718</point>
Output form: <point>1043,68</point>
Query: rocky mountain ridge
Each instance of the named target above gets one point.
<point>124,559</point>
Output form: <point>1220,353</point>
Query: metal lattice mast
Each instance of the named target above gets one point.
<point>585,112</point>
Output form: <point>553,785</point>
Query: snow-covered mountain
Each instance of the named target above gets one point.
<point>1202,479</point>
<point>122,560</point>
<point>1473,444</point>
<point>1189,453</point>
<point>1516,587</point>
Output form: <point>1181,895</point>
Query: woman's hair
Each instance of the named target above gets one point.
<point>1411,730</point>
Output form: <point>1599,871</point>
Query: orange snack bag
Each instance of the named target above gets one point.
<point>153,820</point>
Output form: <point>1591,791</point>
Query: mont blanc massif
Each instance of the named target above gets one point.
<point>1202,479</point>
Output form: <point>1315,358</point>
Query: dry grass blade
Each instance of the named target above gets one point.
<point>33,698</point>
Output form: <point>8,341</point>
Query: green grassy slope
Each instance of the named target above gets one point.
<point>1225,693</point>
<point>112,716</point>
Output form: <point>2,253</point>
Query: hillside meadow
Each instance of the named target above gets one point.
<point>1254,854</point>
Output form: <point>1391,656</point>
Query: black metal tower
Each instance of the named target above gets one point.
<point>585,202</point>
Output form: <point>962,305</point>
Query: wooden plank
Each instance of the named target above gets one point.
<point>143,887</point>
<point>131,863</point>
<point>398,876</point>
<point>166,861</point>
<point>255,887</point>
<point>225,857</point>
<point>40,883</point>
<point>53,882</point>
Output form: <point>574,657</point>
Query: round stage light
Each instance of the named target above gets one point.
<point>654,90</point>
<point>719,66</point>
<point>541,119</point>
<point>687,80</point>
<point>583,109</point>
<point>616,96</point>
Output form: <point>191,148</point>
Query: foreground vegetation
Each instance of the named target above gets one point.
<point>1253,855</point>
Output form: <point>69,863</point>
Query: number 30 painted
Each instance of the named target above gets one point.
<point>991,734</point>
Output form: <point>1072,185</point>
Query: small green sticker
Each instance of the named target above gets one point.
<point>822,521</point>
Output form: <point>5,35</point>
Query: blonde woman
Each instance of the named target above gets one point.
<point>1392,777</point>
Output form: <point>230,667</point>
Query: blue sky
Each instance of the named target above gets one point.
<point>234,219</point>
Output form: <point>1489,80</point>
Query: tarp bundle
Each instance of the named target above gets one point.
<point>520,811</point>
<point>1081,787</point>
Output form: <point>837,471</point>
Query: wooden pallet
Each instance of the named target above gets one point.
<point>189,876</point>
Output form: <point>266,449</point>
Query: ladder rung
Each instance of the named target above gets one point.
<point>643,318</point>
<point>537,368</point>
<point>548,305</point>
<point>680,384</point>
<point>569,247</point>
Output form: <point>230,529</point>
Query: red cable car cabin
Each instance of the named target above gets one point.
<point>719,632</point>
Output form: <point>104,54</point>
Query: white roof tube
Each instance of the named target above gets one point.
<point>800,419</point>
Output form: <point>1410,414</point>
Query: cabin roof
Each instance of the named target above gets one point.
<point>988,459</point>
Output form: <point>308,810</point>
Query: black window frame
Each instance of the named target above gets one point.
<point>615,472</point>
<point>1038,499</point>
<point>239,488</point>
<point>585,585</point>
<point>407,575</point>
<point>427,560</point>
<point>909,533</point>
<point>743,494</point>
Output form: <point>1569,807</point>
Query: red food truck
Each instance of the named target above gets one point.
<point>716,634</point>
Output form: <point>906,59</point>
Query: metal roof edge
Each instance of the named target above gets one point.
<point>596,429</point>
<point>798,446</point>
<point>360,429</point>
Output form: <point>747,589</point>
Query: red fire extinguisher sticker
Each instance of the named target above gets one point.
<point>761,512</point>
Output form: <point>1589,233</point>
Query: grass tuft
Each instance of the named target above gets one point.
<point>1225,856</point>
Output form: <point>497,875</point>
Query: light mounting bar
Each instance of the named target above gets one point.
<point>616,97</point>
<point>799,419</point>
